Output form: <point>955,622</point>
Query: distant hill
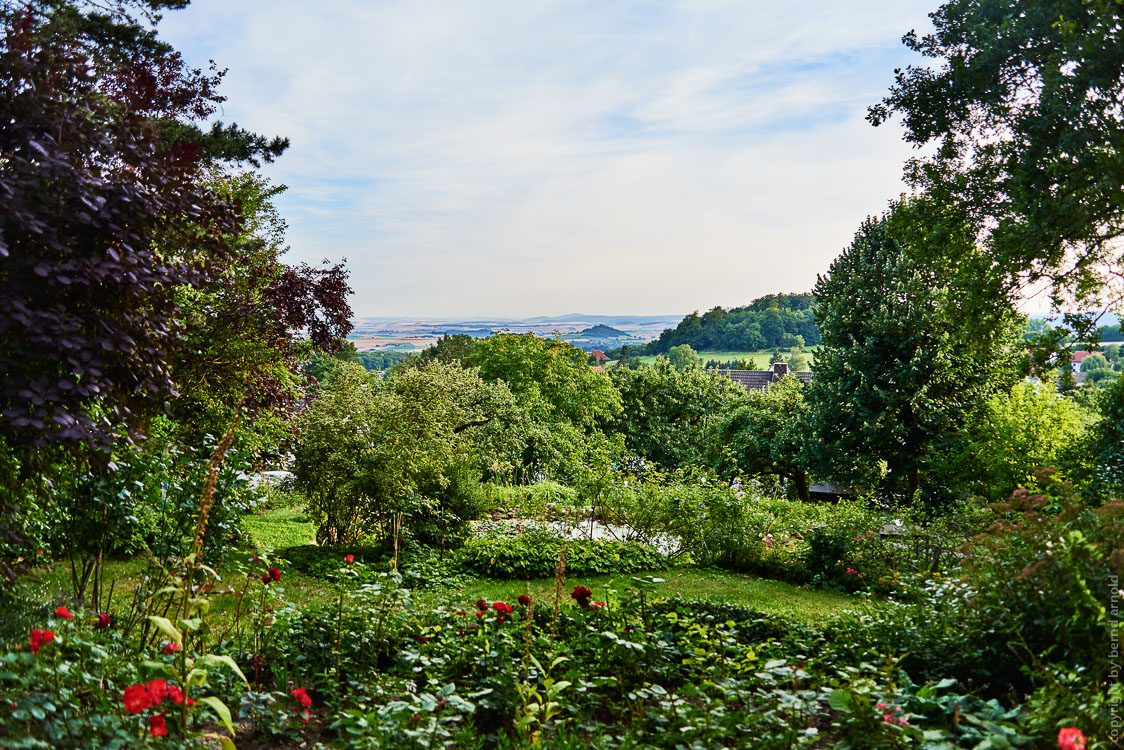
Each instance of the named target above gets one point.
<point>603,332</point>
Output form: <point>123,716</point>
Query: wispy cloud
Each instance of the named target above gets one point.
<point>539,158</point>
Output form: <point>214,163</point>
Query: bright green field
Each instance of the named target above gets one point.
<point>760,357</point>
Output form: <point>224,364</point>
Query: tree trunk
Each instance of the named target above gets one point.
<point>800,478</point>
<point>914,481</point>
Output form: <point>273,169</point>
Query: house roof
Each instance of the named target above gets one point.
<point>758,380</point>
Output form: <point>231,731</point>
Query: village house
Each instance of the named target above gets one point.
<point>759,380</point>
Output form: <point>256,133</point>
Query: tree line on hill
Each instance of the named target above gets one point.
<point>770,322</point>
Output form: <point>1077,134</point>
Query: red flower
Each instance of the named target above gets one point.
<point>157,691</point>
<point>302,697</point>
<point>479,614</point>
<point>136,699</point>
<point>265,578</point>
<point>156,725</point>
<point>103,621</point>
<point>421,638</point>
<point>481,604</point>
<point>524,600</point>
<point>171,648</point>
<point>275,574</point>
<point>349,559</point>
<point>306,716</point>
<point>64,613</point>
<point>175,695</point>
<point>503,608</point>
<point>581,595</point>
<point>39,638</point>
<point>599,605</point>
<point>1071,738</point>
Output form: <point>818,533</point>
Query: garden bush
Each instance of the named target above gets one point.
<point>1035,606</point>
<point>531,500</point>
<point>536,555</point>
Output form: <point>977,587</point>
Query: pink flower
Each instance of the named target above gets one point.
<point>1071,738</point>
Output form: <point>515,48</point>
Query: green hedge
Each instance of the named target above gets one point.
<point>531,556</point>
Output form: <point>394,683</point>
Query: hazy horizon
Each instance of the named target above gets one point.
<point>512,159</point>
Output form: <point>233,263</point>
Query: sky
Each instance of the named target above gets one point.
<point>512,159</point>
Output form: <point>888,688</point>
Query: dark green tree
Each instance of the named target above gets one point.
<point>1106,444</point>
<point>906,354</point>
<point>1022,103</point>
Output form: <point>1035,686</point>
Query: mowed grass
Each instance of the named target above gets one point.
<point>277,528</point>
<point>804,605</point>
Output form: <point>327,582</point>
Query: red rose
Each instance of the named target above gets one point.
<point>175,695</point>
<point>481,604</point>
<point>349,558</point>
<point>524,600</point>
<point>479,614</point>
<point>157,691</point>
<point>306,716</point>
<point>103,621</point>
<point>39,638</point>
<point>171,648</point>
<point>156,725</point>
<point>302,697</point>
<point>275,574</point>
<point>64,613</point>
<point>503,608</point>
<point>1071,738</point>
<point>599,605</point>
<point>265,578</point>
<point>136,699</point>
<point>581,595</point>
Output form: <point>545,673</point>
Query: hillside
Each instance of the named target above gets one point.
<point>603,332</point>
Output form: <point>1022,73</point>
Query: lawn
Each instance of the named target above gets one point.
<point>288,525</point>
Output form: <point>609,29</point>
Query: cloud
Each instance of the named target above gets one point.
<point>538,158</point>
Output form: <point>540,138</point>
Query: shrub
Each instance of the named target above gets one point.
<point>531,500</point>
<point>536,555</point>
<point>1036,597</point>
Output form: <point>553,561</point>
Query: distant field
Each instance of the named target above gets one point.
<point>392,342</point>
<point>760,357</point>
